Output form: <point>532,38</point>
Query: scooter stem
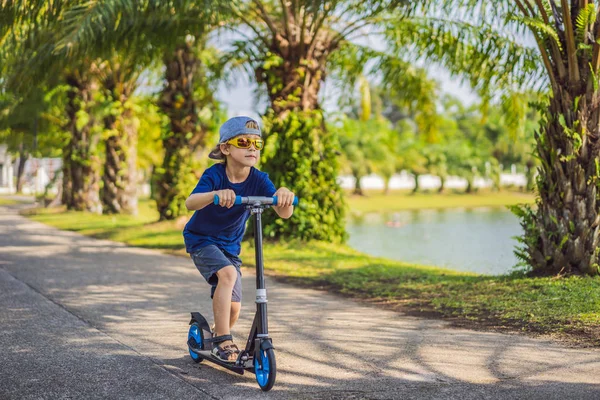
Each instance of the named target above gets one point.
<point>261,293</point>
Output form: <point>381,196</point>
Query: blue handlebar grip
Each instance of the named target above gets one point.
<point>294,203</point>
<point>238,200</point>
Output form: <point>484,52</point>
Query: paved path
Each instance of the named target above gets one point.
<point>85,318</point>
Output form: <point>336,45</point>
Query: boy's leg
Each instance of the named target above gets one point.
<point>236,300</point>
<point>222,305</point>
<point>235,313</point>
<point>226,290</point>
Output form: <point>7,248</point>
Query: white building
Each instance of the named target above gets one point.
<point>405,180</point>
<point>37,174</point>
<point>6,171</point>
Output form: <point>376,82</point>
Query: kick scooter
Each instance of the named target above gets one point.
<point>258,356</point>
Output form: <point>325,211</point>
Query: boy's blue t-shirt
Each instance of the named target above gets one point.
<point>221,226</point>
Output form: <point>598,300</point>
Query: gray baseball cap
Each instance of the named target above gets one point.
<point>231,128</point>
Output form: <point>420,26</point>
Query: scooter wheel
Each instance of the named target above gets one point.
<point>265,376</point>
<point>195,333</point>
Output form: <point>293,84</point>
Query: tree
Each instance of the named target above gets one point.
<point>118,77</point>
<point>411,153</point>
<point>191,75</point>
<point>28,49</point>
<point>19,121</point>
<point>81,163</point>
<point>368,146</point>
<point>436,163</point>
<point>31,126</point>
<point>368,140</point>
<point>291,47</point>
<point>562,235</point>
<point>174,32</point>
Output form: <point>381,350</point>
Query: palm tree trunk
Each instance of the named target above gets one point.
<point>119,193</point>
<point>416,188</point>
<point>294,84</point>
<point>173,181</point>
<point>529,176</point>
<point>303,156</point>
<point>357,186</point>
<point>67,183</point>
<point>470,185</point>
<point>23,156</point>
<point>386,185</point>
<point>442,183</point>
<point>80,165</point>
<point>563,235</point>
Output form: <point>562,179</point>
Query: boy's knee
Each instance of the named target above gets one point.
<point>228,275</point>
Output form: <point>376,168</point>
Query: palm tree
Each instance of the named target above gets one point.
<point>187,99</point>
<point>81,163</point>
<point>562,234</point>
<point>290,47</point>
<point>118,77</point>
<point>175,32</point>
<point>27,47</point>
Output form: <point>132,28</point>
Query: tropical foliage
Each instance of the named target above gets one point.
<point>562,234</point>
<point>95,50</point>
<point>309,168</point>
<point>290,47</point>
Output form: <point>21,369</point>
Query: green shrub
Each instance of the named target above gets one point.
<point>302,156</point>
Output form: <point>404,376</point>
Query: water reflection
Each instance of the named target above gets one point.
<point>474,239</point>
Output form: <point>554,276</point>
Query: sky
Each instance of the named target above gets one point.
<point>239,100</point>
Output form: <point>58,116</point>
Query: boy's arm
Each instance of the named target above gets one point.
<point>197,201</point>
<point>285,198</point>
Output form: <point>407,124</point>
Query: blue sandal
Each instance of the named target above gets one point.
<point>224,353</point>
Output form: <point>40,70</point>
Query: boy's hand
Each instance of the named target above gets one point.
<point>226,197</point>
<point>285,197</point>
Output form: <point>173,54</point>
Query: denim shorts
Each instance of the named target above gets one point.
<point>211,259</point>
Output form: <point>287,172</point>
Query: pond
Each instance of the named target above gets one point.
<point>475,240</point>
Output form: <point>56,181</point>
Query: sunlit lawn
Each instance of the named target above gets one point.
<point>396,200</point>
<point>7,202</point>
<point>142,230</point>
<point>548,305</point>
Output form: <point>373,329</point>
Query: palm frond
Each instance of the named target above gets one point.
<point>243,57</point>
<point>98,26</point>
<point>584,22</point>
<point>409,85</point>
<point>482,54</point>
<point>538,26</point>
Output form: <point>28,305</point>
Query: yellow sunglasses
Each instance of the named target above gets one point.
<point>245,143</point>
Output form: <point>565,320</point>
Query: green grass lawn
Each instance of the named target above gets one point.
<point>397,200</point>
<point>545,305</point>
<point>7,202</point>
<point>567,307</point>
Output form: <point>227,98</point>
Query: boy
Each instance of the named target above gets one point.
<point>214,233</point>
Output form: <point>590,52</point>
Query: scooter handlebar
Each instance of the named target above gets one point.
<point>258,200</point>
